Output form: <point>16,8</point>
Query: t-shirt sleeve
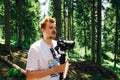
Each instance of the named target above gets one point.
<point>32,60</point>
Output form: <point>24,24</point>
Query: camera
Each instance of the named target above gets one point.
<point>64,44</point>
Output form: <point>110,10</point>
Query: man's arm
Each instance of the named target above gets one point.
<point>34,74</point>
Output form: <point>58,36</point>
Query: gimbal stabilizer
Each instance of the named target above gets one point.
<point>62,46</point>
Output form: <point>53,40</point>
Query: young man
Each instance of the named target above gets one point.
<point>40,57</point>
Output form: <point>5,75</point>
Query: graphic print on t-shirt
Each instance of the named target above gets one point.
<point>52,64</point>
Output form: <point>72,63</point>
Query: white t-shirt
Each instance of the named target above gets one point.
<point>39,57</point>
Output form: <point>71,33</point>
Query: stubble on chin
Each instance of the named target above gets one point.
<point>52,37</point>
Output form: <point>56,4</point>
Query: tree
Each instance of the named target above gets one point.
<point>93,31</point>
<point>64,18</point>
<point>19,21</point>
<point>30,26</point>
<point>99,32</point>
<point>116,7</point>
<point>116,32</point>
<point>7,25</point>
<point>57,15</point>
<point>1,12</point>
<point>69,12</point>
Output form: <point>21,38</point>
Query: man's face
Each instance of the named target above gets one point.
<point>50,30</point>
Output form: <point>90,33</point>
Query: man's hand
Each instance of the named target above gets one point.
<point>62,67</point>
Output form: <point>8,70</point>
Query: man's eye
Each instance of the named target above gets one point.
<point>51,27</point>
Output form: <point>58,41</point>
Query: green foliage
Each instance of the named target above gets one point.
<point>81,31</point>
<point>50,12</point>
<point>114,3</point>
<point>30,25</point>
<point>14,73</point>
<point>82,22</point>
<point>1,13</point>
<point>109,30</point>
<point>30,20</point>
<point>1,40</point>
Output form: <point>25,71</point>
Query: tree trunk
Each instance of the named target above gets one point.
<point>7,26</point>
<point>116,35</point>
<point>93,32</point>
<point>69,24</point>
<point>19,10</point>
<point>99,32</point>
<point>85,37</point>
<point>57,15</point>
<point>72,21</point>
<point>64,18</point>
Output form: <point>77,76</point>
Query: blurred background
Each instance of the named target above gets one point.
<point>94,25</point>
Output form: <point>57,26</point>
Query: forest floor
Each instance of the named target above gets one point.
<point>81,70</point>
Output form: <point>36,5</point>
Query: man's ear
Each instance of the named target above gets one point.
<point>42,30</point>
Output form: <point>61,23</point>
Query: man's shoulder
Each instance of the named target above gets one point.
<point>36,44</point>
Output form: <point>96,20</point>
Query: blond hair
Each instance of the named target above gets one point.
<point>45,20</point>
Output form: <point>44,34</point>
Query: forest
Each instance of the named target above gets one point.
<point>94,25</point>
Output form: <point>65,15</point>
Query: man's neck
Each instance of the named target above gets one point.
<point>48,41</point>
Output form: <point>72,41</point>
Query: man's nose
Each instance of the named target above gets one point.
<point>55,29</point>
